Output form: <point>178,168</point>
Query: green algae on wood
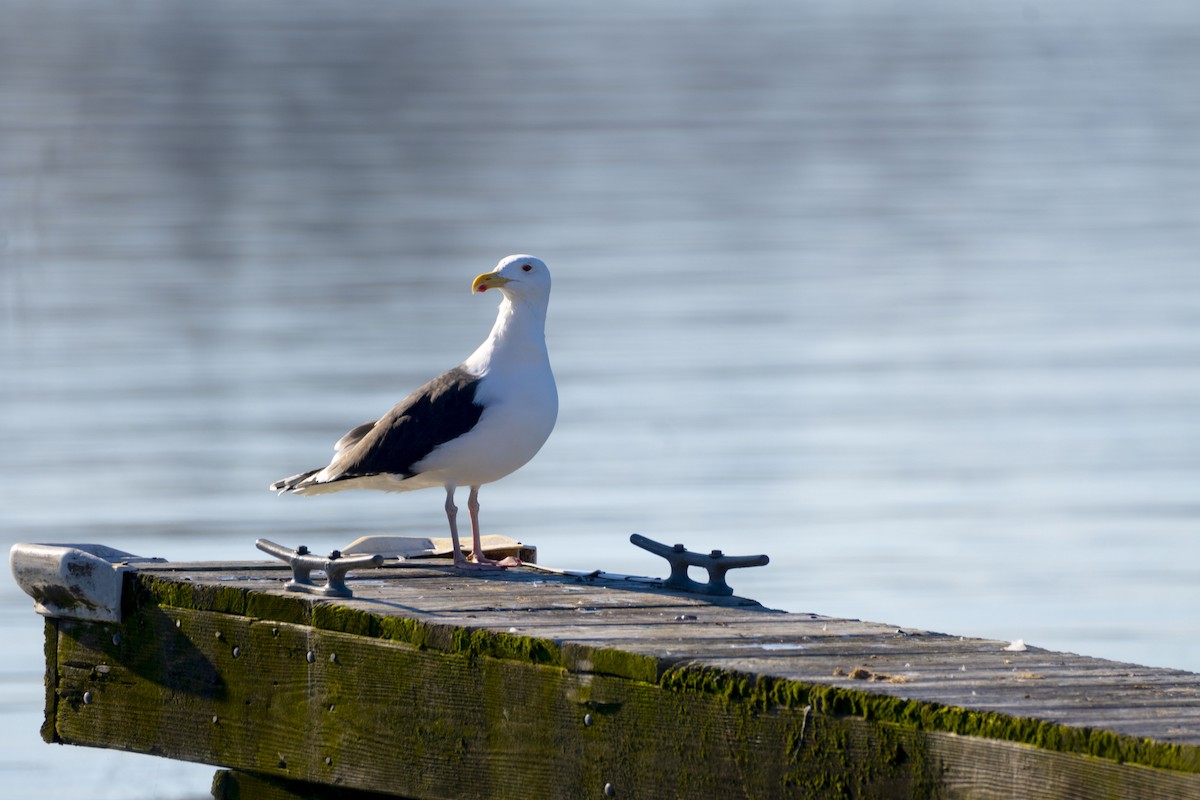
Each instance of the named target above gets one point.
<point>764,693</point>
<point>368,695</point>
<point>331,708</point>
<point>760,692</point>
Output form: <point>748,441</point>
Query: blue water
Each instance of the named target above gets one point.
<point>905,295</point>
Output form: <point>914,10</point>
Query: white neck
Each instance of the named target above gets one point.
<point>518,337</point>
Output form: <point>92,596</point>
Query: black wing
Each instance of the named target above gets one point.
<point>438,412</point>
<point>353,437</point>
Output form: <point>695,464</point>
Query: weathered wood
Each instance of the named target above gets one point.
<point>433,684</point>
<point>234,785</point>
<point>463,725</point>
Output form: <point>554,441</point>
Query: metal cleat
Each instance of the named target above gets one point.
<point>680,558</point>
<point>335,566</point>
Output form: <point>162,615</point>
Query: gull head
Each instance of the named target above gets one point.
<point>516,277</point>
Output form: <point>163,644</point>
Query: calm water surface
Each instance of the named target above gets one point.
<point>906,296</point>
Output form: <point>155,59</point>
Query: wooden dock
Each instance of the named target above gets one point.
<point>429,683</point>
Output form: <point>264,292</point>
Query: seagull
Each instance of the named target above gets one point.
<point>472,425</point>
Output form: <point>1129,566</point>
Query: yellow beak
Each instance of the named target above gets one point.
<point>488,280</point>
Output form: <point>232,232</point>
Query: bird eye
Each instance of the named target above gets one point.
<point>527,267</point>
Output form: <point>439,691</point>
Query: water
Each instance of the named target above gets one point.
<point>905,295</point>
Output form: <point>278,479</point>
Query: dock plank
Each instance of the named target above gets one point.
<point>953,670</point>
<point>432,683</point>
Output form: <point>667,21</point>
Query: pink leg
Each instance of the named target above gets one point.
<point>476,545</point>
<point>460,560</point>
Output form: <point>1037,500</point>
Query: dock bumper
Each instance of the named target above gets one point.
<point>73,581</point>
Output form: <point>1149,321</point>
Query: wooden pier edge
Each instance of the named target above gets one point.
<point>303,697</point>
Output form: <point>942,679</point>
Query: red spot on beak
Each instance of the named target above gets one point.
<point>483,287</point>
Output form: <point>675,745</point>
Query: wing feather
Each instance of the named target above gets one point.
<point>438,412</point>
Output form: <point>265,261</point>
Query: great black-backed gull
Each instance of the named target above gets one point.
<point>472,425</point>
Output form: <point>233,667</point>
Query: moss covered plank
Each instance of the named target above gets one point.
<point>654,630</point>
<point>433,684</point>
<point>392,718</point>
